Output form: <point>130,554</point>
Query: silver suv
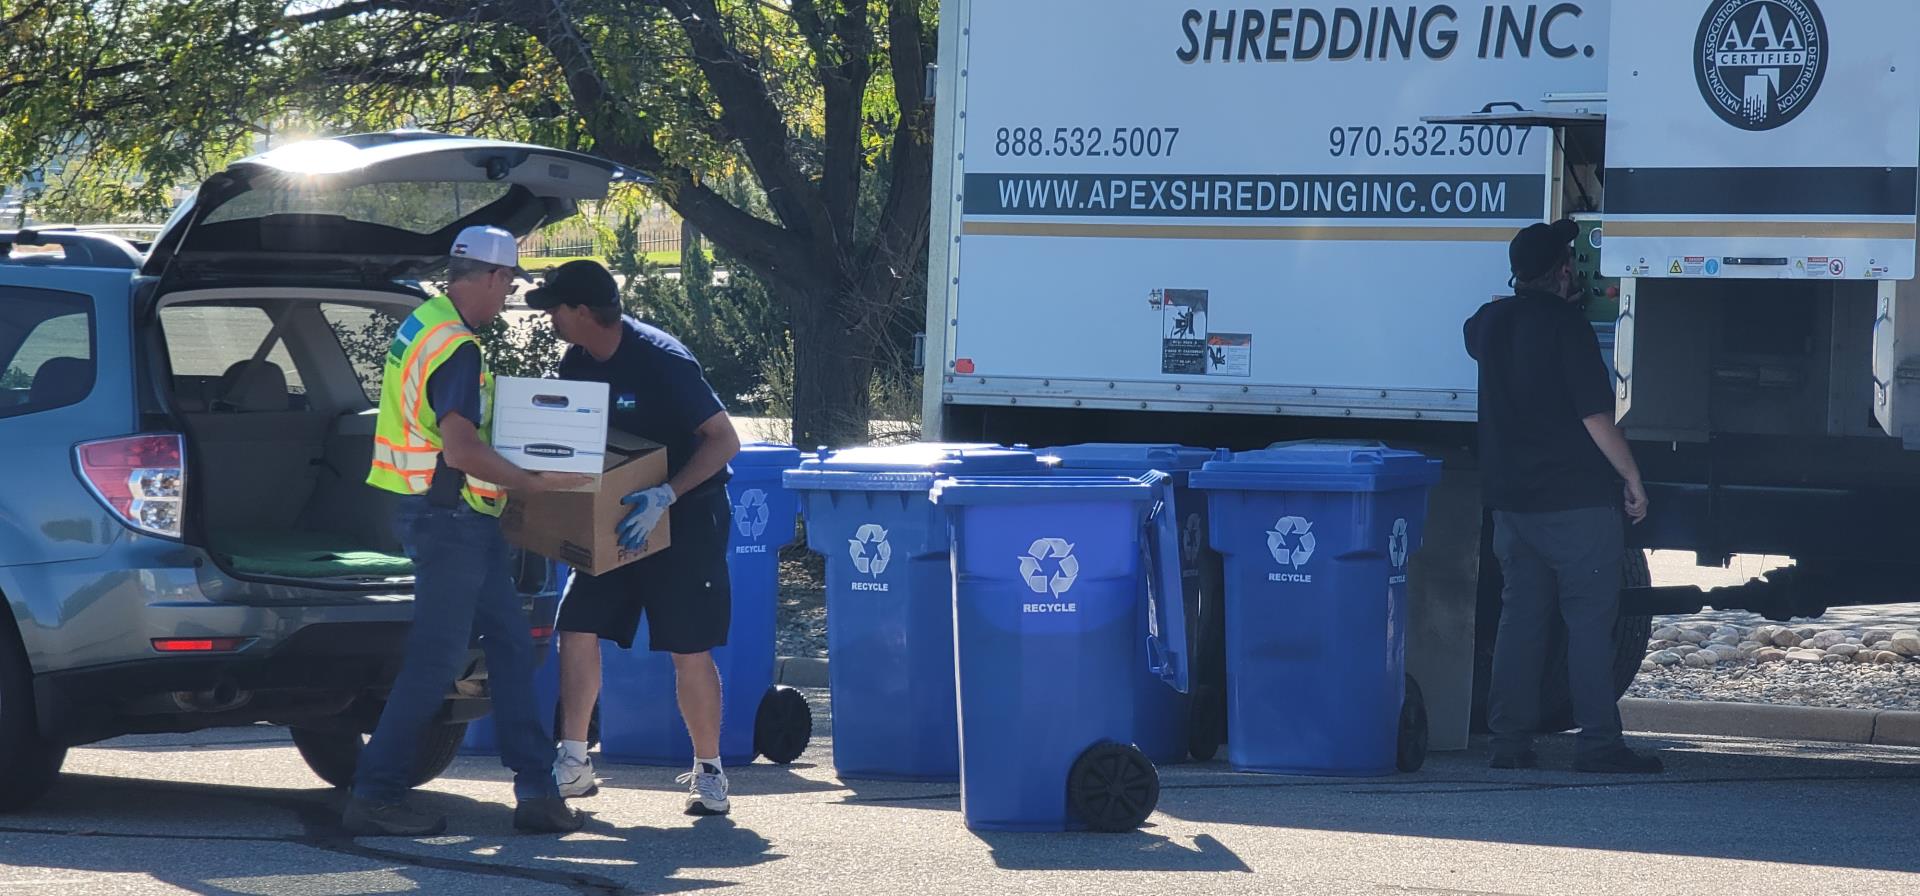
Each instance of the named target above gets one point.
<point>186,539</point>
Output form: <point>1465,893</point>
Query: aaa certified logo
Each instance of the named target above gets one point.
<point>1049,566</point>
<point>870,550</point>
<point>1397,544</point>
<point>1291,541</point>
<point>751,516</point>
<point>1760,62</point>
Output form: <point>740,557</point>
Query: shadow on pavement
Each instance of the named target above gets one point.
<point>1740,800</point>
<point>222,840</point>
<point>758,779</point>
<point>1136,851</point>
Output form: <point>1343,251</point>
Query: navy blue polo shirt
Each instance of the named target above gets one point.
<point>658,389</point>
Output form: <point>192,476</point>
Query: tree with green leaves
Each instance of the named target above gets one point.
<point>823,102</point>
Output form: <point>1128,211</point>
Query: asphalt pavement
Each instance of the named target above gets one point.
<point>236,812</point>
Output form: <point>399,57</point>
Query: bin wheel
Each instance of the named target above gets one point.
<point>1113,787</point>
<point>593,724</point>
<point>1208,724</point>
<point>1414,735</point>
<point>783,725</point>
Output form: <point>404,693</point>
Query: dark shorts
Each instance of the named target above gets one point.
<point>684,590</point>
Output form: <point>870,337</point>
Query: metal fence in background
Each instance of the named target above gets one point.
<point>579,236</point>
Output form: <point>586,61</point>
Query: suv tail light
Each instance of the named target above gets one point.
<point>143,479</point>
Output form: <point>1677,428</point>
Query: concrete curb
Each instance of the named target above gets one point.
<point>802,671</point>
<point>1814,723</point>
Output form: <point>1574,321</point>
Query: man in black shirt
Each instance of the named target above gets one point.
<point>659,393</point>
<point>1552,460</point>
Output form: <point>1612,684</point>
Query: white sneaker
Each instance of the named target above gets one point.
<point>706,791</point>
<point>574,778</point>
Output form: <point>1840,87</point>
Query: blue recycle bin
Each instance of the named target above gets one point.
<point>889,604</point>
<point>1170,724</point>
<point>1316,537</point>
<point>1046,615</point>
<point>640,719</point>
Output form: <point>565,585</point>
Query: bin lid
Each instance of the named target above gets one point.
<point>909,467</point>
<point>974,491</point>
<point>1320,465</point>
<point>766,455</point>
<point>1167,458</point>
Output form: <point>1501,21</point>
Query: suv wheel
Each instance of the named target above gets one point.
<point>28,764</point>
<point>334,755</point>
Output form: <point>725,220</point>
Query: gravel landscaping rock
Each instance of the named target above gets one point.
<point>1845,685</point>
<point>803,607</point>
<point>1853,657</point>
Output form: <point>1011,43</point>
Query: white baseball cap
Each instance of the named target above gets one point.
<point>491,245</point>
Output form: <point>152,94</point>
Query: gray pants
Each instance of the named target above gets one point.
<point>1573,555</point>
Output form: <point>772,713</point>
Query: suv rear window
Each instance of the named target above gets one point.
<point>212,348</point>
<point>421,207</point>
<point>46,350</point>
<point>365,334</point>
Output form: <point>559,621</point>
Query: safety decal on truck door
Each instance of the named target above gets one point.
<point>1188,345</point>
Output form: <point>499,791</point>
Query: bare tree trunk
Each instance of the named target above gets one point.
<point>832,373</point>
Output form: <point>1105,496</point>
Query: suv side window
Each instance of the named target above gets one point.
<point>212,349</point>
<point>365,334</point>
<point>46,350</point>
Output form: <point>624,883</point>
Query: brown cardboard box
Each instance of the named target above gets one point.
<point>580,529</point>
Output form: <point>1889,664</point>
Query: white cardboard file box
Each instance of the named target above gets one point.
<point>556,426</point>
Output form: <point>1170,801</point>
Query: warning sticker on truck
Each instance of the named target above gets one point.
<point>1183,331</point>
<point>1230,354</point>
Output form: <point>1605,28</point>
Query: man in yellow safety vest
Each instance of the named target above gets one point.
<point>432,447</point>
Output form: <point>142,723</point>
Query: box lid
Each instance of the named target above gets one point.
<point>1320,466</point>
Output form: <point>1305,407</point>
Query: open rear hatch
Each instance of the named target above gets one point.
<point>261,273</point>
<point>369,206</point>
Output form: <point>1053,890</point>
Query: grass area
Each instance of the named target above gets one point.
<point>542,263</point>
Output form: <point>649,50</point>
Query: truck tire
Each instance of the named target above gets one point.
<point>334,755</point>
<point>1556,705</point>
<point>28,764</point>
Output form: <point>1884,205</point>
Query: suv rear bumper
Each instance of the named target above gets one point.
<point>323,675</point>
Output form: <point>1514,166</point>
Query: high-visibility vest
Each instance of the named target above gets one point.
<point>406,438</point>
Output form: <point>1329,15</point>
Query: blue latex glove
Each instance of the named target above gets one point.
<point>649,505</point>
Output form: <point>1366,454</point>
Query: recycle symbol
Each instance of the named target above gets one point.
<point>1291,541</point>
<point>1190,539</point>
<point>870,549</point>
<point>1067,567</point>
<point>751,515</point>
<point>1397,544</point>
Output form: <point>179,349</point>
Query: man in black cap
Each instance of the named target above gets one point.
<point>1552,462</point>
<point>659,393</point>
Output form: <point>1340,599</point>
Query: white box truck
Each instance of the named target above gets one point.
<point>1229,225</point>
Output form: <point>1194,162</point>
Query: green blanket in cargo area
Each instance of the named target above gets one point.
<point>305,555</point>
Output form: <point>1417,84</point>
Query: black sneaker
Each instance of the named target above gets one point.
<point>1619,761</point>
<point>1521,759</point>
<point>547,815</point>
<point>366,818</point>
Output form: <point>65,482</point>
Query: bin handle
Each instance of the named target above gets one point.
<point>1166,663</point>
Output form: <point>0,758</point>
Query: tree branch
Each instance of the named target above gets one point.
<point>748,109</point>
<point>844,82</point>
<point>901,232</point>
<point>628,139</point>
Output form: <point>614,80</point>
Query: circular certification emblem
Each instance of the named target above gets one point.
<point>1759,63</point>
